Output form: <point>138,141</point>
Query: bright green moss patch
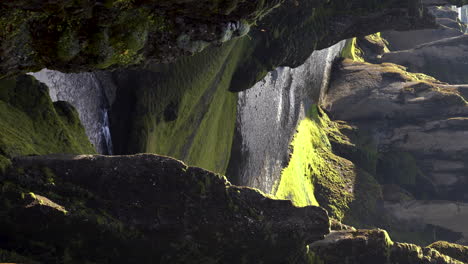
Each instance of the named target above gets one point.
<point>32,124</point>
<point>314,175</point>
<point>296,179</point>
<point>351,51</point>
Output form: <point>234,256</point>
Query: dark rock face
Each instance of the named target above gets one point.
<point>145,209</point>
<point>373,246</point>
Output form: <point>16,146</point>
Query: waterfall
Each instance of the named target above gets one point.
<point>463,14</point>
<point>267,116</point>
<point>106,132</point>
<point>90,98</point>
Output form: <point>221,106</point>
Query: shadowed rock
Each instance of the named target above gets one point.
<point>145,209</point>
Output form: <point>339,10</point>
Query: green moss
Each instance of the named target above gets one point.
<point>314,175</point>
<point>190,118</point>
<point>32,124</point>
<point>351,51</point>
<point>455,251</point>
<point>296,182</point>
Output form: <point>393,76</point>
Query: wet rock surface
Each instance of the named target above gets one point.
<point>145,209</point>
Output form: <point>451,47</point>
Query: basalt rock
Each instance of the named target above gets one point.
<point>145,209</point>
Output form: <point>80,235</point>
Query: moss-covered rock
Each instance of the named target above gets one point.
<point>32,124</point>
<point>455,251</point>
<point>145,209</point>
<point>373,246</point>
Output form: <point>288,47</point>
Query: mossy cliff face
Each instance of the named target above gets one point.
<point>32,124</point>
<point>145,209</point>
<point>315,175</point>
<point>181,109</point>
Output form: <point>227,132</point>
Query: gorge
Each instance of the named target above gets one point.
<point>339,127</point>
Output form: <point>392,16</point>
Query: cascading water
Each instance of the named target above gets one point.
<point>267,116</point>
<point>90,94</point>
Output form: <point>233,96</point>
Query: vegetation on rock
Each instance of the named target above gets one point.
<point>32,124</point>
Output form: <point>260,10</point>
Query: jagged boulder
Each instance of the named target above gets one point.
<point>145,209</point>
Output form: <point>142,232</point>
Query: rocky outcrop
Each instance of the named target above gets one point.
<point>372,246</point>
<point>145,208</point>
<point>444,59</point>
<point>453,250</point>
